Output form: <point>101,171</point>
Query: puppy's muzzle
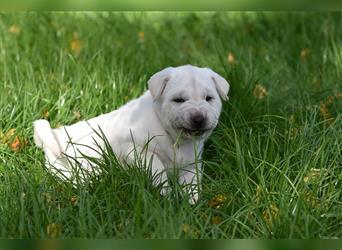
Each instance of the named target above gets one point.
<point>198,120</point>
<point>196,125</point>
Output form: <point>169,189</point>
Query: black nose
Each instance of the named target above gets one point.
<point>197,119</point>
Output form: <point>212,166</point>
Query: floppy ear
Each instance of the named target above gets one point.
<point>157,82</point>
<point>221,84</point>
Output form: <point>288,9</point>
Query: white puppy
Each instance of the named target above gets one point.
<point>175,116</point>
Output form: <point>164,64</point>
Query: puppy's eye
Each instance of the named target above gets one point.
<point>208,98</point>
<point>179,100</point>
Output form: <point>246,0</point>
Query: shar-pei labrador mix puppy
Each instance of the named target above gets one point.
<point>173,118</point>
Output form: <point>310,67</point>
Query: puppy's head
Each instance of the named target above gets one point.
<point>188,99</point>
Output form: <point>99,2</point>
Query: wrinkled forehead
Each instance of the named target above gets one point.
<point>196,83</point>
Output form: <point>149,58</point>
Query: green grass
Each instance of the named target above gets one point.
<point>276,160</point>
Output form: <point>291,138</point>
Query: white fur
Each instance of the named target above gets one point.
<point>153,115</point>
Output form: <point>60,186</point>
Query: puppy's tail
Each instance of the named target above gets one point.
<point>45,138</point>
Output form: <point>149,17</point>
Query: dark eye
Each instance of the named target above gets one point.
<point>179,100</point>
<point>208,98</point>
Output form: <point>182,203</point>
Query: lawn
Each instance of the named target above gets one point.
<point>273,166</point>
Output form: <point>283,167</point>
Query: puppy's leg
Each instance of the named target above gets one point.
<point>190,178</point>
<point>159,173</point>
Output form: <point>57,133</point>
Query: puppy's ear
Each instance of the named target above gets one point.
<point>221,84</point>
<point>157,82</point>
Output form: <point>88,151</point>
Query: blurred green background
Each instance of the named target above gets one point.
<point>176,5</point>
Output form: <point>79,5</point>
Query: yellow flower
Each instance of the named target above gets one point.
<point>53,230</point>
<point>217,201</point>
<point>311,199</point>
<point>14,29</point>
<point>45,114</point>
<point>315,175</point>
<point>141,36</point>
<point>7,136</point>
<point>77,114</point>
<point>13,141</point>
<point>329,100</point>
<point>324,108</point>
<point>47,197</point>
<point>293,133</point>
<point>188,229</point>
<point>259,91</point>
<point>73,200</point>
<point>75,44</point>
<point>271,214</point>
<point>16,144</point>
<point>291,118</point>
<point>257,195</point>
<point>304,53</point>
<point>327,117</point>
<point>231,58</point>
<point>216,220</point>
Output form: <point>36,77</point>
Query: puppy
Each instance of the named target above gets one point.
<point>175,116</point>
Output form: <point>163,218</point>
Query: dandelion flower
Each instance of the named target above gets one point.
<point>231,58</point>
<point>14,29</point>
<point>217,201</point>
<point>45,114</point>
<point>16,144</point>
<point>192,230</point>
<point>314,175</point>
<point>141,36</point>
<point>186,228</point>
<point>73,200</point>
<point>53,230</point>
<point>75,44</point>
<point>7,136</point>
<point>304,53</point>
<point>77,114</point>
<point>216,220</point>
<point>329,100</point>
<point>47,197</point>
<point>271,213</point>
<point>293,133</point>
<point>259,91</point>
<point>327,117</point>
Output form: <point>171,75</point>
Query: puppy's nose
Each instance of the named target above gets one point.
<point>197,119</point>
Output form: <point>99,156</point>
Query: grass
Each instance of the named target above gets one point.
<point>273,166</point>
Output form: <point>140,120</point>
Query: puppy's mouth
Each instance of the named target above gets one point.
<point>190,133</point>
